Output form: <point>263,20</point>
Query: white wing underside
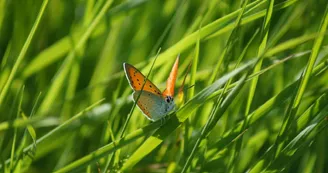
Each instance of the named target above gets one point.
<point>152,106</point>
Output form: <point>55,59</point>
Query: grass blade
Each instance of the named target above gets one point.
<point>292,110</point>
<point>22,53</point>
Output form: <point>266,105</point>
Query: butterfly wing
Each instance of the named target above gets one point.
<point>136,79</point>
<point>170,83</point>
<point>152,106</point>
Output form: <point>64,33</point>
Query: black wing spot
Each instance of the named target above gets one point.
<point>138,80</point>
<point>139,84</point>
<point>150,86</point>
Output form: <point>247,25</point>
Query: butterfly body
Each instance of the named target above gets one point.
<point>153,103</point>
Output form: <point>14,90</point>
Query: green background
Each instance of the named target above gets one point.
<point>255,97</point>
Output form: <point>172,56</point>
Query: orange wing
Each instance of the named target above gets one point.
<point>170,83</point>
<point>136,80</point>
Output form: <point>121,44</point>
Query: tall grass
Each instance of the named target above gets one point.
<point>255,96</point>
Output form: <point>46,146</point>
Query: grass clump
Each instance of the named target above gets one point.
<point>257,102</point>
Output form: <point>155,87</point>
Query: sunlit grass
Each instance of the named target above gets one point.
<point>255,97</point>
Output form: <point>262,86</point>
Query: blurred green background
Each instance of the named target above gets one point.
<point>259,77</point>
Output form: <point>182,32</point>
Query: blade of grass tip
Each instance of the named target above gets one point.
<point>22,52</point>
<point>19,154</point>
<point>293,107</point>
<point>207,128</point>
<point>64,70</point>
<point>12,155</point>
<point>136,101</point>
<point>30,130</point>
<point>32,114</point>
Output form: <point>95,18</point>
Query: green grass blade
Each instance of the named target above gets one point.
<point>265,108</point>
<point>110,148</point>
<point>292,110</point>
<point>218,110</point>
<point>23,123</point>
<point>22,53</point>
<point>217,27</point>
<point>262,47</point>
<point>59,79</point>
<point>47,57</point>
<point>238,145</point>
<point>57,50</point>
<point>106,62</point>
<point>13,147</point>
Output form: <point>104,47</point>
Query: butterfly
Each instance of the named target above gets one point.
<point>153,103</point>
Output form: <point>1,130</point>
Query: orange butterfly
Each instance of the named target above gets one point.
<point>152,102</point>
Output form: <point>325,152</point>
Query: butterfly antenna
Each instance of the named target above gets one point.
<point>180,92</point>
<point>190,86</point>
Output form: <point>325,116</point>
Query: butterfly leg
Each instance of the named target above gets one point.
<point>163,121</point>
